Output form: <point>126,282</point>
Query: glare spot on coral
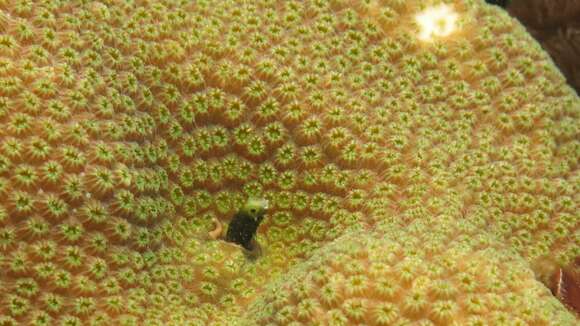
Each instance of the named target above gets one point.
<point>436,21</point>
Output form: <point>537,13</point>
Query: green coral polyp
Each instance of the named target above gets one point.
<point>124,144</point>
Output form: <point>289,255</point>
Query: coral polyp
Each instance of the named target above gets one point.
<point>409,179</point>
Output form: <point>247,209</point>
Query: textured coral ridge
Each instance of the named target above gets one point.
<point>129,127</point>
<point>435,272</point>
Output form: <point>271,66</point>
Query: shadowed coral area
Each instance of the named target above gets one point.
<point>434,147</point>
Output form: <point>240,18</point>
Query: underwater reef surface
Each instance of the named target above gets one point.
<point>409,162</point>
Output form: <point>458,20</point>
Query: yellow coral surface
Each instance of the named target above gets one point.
<point>443,272</point>
<point>420,160</point>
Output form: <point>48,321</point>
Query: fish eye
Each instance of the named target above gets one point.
<point>252,210</point>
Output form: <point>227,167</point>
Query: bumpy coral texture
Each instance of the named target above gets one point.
<point>435,272</point>
<point>128,128</point>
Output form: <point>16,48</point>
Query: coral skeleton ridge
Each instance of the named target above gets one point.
<point>418,160</point>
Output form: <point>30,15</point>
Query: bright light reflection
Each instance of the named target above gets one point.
<point>436,21</point>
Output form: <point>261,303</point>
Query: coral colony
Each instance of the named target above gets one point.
<point>265,162</point>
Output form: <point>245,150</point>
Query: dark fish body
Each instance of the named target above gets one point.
<point>242,229</point>
<point>245,222</point>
